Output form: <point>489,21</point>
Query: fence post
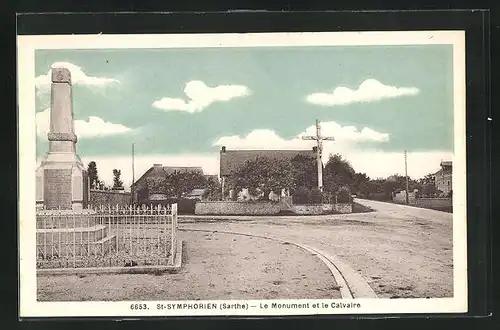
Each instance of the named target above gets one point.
<point>173,249</point>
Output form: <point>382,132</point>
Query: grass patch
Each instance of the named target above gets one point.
<point>358,208</point>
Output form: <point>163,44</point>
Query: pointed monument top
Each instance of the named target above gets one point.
<point>61,75</point>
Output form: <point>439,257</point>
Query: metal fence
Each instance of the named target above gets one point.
<point>107,237</point>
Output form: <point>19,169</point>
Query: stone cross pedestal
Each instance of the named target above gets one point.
<point>61,179</point>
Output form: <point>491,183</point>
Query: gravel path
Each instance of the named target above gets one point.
<point>216,266</point>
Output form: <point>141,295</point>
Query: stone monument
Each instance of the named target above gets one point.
<point>61,179</point>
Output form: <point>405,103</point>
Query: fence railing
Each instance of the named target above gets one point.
<point>107,237</point>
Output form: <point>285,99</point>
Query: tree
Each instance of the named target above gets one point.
<point>177,184</point>
<point>316,196</point>
<point>92,173</point>
<point>213,189</point>
<point>305,171</point>
<point>344,195</point>
<point>360,185</point>
<point>393,184</point>
<point>429,190</point>
<point>429,178</point>
<point>301,195</point>
<point>338,172</point>
<point>117,183</point>
<point>263,175</point>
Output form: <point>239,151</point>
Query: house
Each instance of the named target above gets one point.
<point>443,178</point>
<point>232,160</point>
<point>144,188</point>
<point>196,194</point>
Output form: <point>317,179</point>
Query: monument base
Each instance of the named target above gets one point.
<point>62,183</point>
<point>65,234</point>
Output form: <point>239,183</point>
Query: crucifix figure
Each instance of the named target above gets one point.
<point>319,141</point>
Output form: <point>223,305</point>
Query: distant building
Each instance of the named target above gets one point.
<point>144,188</point>
<point>443,178</point>
<point>232,160</point>
<point>196,194</point>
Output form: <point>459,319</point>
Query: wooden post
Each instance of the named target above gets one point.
<point>223,186</point>
<point>406,177</point>
<point>133,178</point>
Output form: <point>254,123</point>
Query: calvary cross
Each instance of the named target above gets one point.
<point>319,141</point>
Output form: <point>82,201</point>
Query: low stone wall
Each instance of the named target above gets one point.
<point>314,209</point>
<point>308,209</point>
<point>343,207</point>
<point>237,208</point>
<point>109,197</point>
<point>266,208</point>
<point>434,203</point>
<point>439,204</point>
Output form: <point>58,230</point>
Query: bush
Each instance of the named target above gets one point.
<point>316,196</point>
<point>344,195</point>
<point>301,195</point>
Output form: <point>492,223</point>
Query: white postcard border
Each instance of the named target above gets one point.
<point>30,307</point>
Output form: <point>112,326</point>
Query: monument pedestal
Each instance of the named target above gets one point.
<point>61,179</point>
<point>62,185</point>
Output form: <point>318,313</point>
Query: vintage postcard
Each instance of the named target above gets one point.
<point>242,174</point>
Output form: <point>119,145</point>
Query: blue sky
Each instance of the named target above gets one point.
<point>178,106</point>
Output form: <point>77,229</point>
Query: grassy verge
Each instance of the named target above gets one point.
<point>358,208</point>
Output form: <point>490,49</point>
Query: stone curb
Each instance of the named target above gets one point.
<point>119,270</point>
<point>352,285</point>
<point>357,284</point>
<point>345,291</point>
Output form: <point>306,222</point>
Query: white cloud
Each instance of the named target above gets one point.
<point>78,77</point>
<point>370,90</point>
<point>261,139</point>
<point>345,136</point>
<point>106,164</point>
<point>201,96</point>
<point>375,163</point>
<point>92,127</point>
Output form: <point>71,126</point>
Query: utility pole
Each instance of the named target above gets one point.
<point>133,176</point>
<point>319,142</point>
<point>406,177</point>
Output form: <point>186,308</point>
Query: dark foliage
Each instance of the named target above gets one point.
<point>344,195</point>
<point>301,195</point>
<point>316,196</point>
<point>117,183</point>
<point>93,175</point>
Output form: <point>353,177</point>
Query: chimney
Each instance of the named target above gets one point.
<point>157,165</point>
<point>315,149</point>
<point>223,149</point>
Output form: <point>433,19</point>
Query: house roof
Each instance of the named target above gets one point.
<point>446,163</point>
<point>232,160</point>
<point>159,170</point>
<point>196,192</point>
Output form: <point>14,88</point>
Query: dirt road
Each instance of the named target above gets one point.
<point>401,251</point>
